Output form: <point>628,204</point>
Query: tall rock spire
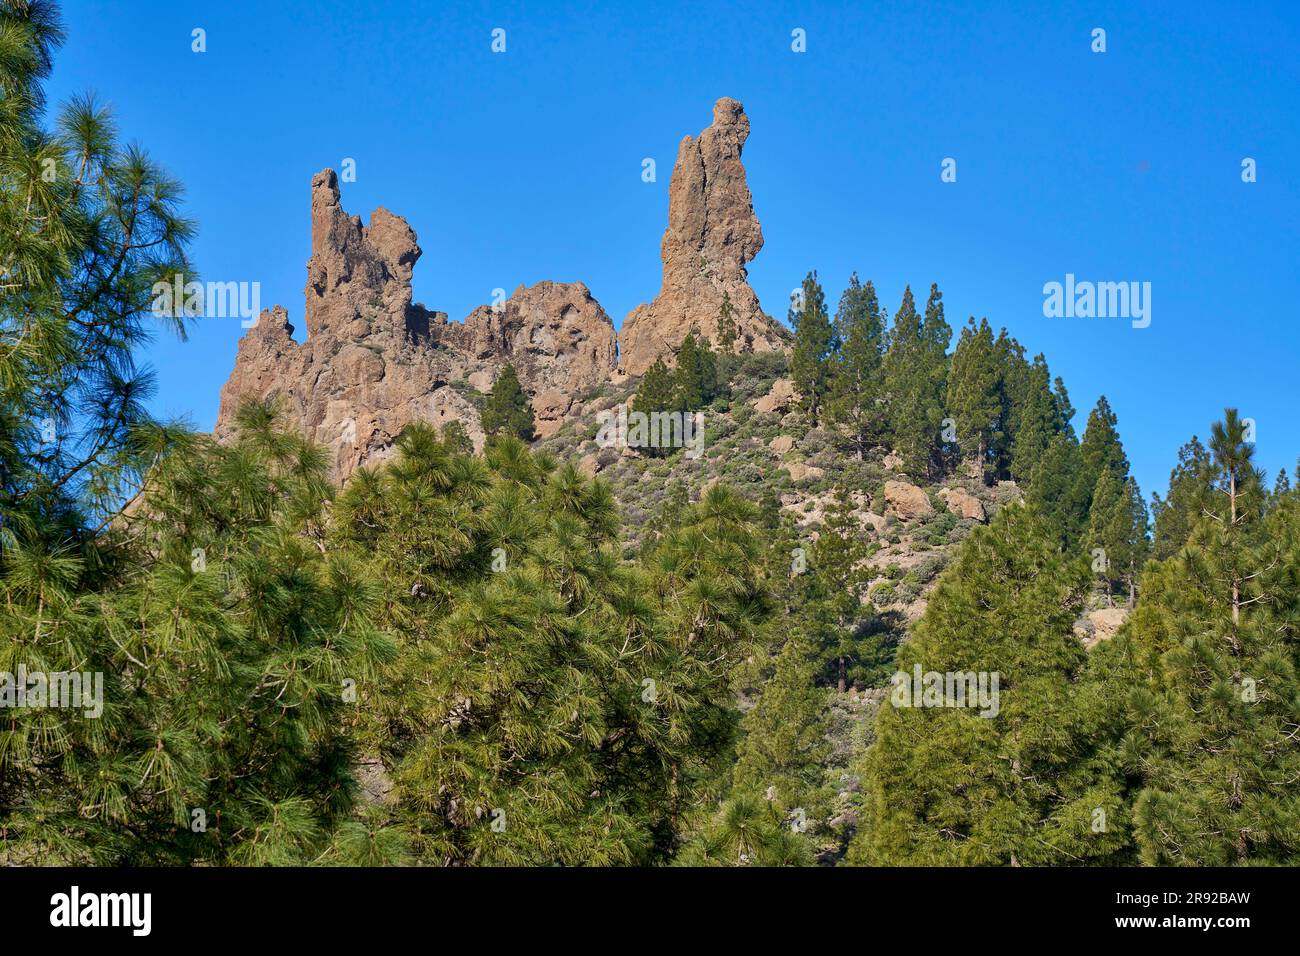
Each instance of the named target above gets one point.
<point>712,234</point>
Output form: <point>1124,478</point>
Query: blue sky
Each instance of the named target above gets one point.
<point>525,166</point>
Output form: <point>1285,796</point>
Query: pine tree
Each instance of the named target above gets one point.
<point>1067,475</point>
<point>814,345</point>
<point>1213,646</point>
<point>857,394</point>
<point>784,745</point>
<point>1117,531</point>
<point>833,591</point>
<point>508,410</point>
<point>88,225</point>
<point>1100,449</point>
<point>549,703</point>
<point>1036,422</point>
<point>946,785</point>
<point>727,332</point>
<point>227,639</point>
<point>1188,500</point>
<point>973,394</point>
<point>915,369</point>
<point>657,392</point>
<point>695,380</point>
<point>747,830</point>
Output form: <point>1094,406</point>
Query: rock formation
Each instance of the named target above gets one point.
<point>962,503</point>
<point>712,233</point>
<point>373,362</point>
<point>556,335</point>
<point>907,500</point>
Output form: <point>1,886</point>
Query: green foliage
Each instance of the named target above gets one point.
<point>973,393</point>
<point>784,746</point>
<point>946,785</point>
<point>915,369</point>
<point>508,410</point>
<point>1117,527</point>
<point>1036,421</point>
<point>1214,650</point>
<point>695,379</point>
<point>224,636</point>
<point>549,704</point>
<point>726,332</point>
<point>857,399</point>
<point>814,344</point>
<point>88,224</point>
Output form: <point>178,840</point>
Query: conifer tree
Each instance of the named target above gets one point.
<point>832,593</point>
<point>1213,645</point>
<point>1188,500</point>
<point>1036,422</point>
<point>657,392</point>
<point>814,345</point>
<point>784,745</point>
<point>747,830</point>
<point>88,225</point>
<point>946,785</point>
<point>1066,478</point>
<point>227,640</point>
<point>549,703</point>
<point>973,398</point>
<point>1281,484</point>
<point>915,368</point>
<point>1117,531</point>
<point>508,410</point>
<point>857,402</point>
<point>727,332</point>
<point>695,380</point>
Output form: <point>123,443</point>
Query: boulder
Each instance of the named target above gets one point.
<point>781,444</point>
<point>1102,625</point>
<point>907,500</point>
<point>779,397</point>
<point>963,504</point>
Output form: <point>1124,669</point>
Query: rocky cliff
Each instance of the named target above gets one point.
<point>374,361</point>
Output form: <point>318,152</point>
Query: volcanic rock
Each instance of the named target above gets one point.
<point>712,233</point>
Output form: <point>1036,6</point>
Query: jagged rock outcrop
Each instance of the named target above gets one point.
<point>712,233</point>
<point>374,362</point>
<point>556,335</point>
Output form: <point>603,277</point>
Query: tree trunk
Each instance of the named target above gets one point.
<point>843,683</point>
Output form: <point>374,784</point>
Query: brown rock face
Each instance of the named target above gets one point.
<point>712,233</point>
<point>373,362</point>
<point>556,335</point>
<point>962,503</point>
<point>1101,626</point>
<point>907,500</point>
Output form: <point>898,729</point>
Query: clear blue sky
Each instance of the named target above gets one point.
<point>526,166</point>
